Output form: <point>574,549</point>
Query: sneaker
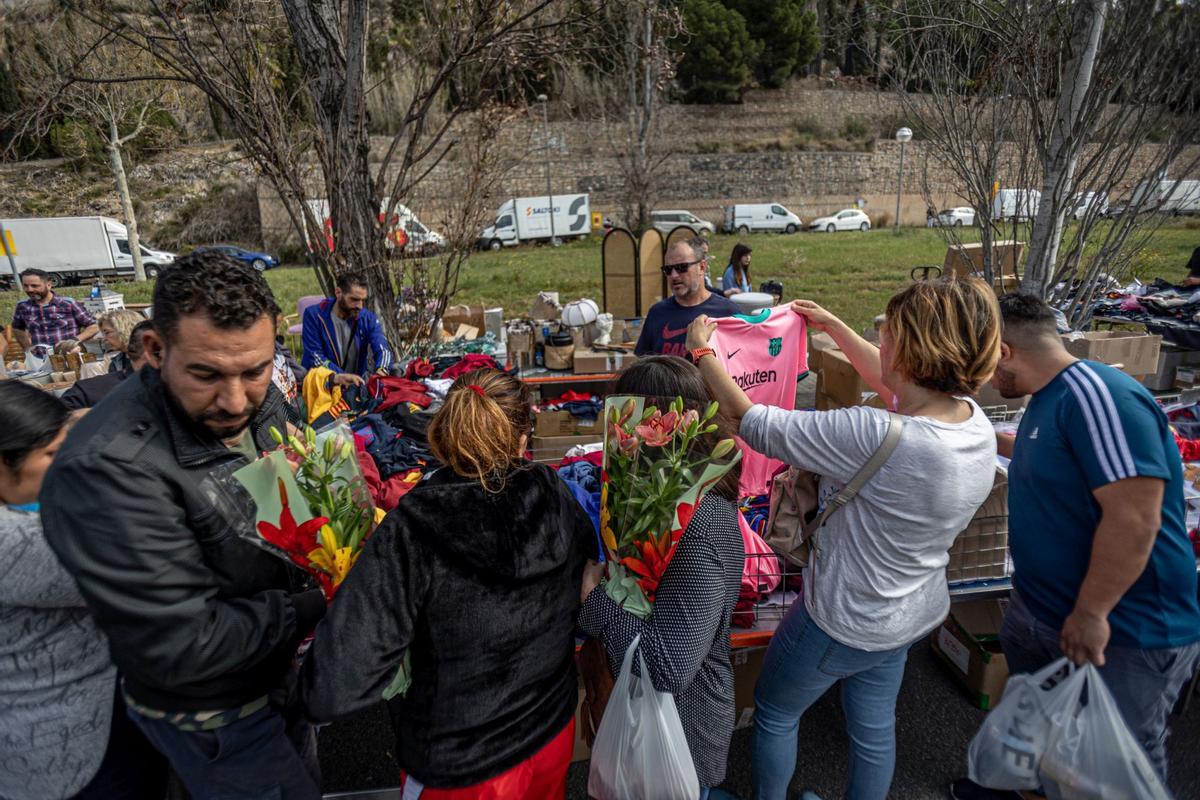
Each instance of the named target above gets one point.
<point>967,789</point>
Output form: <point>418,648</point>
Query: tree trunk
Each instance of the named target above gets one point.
<point>118,168</point>
<point>1066,141</point>
<point>335,69</point>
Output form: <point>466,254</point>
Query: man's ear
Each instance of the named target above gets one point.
<point>152,346</point>
<point>1005,352</point>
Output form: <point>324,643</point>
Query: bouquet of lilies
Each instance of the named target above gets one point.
<point>657,469</point>
<point>334,504</point>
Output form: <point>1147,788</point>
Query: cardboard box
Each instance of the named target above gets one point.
<point>967,259</point>
<point>562,423</point>
<point>590,360</point>
<point>1171,358</point>
<point>1137,353</point>
<point>981,550</point>
<point>747,665</point>
<point>839,381</point>
<point>471,315</point>
<point>968,641</point>
<point>554,448</point>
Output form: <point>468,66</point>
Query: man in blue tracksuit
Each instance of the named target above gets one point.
<point>341,335</point>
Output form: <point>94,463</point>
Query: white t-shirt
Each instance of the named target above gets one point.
<point>879,580</point>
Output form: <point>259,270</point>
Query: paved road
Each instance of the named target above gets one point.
<point>935,723</point>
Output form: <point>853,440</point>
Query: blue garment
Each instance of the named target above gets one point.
<point>729,282</point>
<point>1091,426</point>
<point>802,662</point>
<point>665,328</point>
<point>1144,683</point>
<point>28,508</point>
<point>590,501</point>
<point>321,347</point>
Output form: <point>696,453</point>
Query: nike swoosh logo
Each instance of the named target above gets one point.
<point>734,353</point>
<point>671,334</point>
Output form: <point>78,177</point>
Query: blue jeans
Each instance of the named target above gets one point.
<point>1144,683</point>
<point>801,663</point>
<point>256,758</point>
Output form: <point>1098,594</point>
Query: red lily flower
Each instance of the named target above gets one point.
<point>295,540</point>
<point>657,430</point>
<point>655,554</point>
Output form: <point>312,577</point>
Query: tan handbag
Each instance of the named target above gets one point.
<point>793,518</point>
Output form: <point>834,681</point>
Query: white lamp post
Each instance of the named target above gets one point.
<point>541,98</point>
<point>903,135</point>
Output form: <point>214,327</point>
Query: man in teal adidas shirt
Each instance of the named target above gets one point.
<point>1103,569</point>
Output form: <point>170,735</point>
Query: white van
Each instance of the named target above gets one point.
<point>418,239</point>
<point>753,217</point>
<point>1016,204</point>
<point>534,219</point>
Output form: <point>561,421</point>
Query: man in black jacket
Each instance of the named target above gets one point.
<point>142,508</point>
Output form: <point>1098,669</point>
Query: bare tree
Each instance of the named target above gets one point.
<point>77,72</point>
<point>634,75</point>
<point>1085,98</point>
<point>457,56</point>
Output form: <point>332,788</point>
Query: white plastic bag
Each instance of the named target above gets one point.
<point>1091,753</point>
<point>1008,749</point>
<point>640,751</point>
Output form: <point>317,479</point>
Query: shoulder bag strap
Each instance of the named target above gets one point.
<point>851,489</point>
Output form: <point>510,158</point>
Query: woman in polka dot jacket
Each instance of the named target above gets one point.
<point>686,641</point>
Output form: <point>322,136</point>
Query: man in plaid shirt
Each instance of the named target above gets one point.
<point>45,318</point>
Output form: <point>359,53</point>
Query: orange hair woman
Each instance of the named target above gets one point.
<point>876,582</point>
<point>475,576</point>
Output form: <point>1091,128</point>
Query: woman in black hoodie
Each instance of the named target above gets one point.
<point>476,575</point>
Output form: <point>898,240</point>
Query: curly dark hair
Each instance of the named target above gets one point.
<point>229,292</point>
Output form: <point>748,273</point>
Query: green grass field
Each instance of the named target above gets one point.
<point>852,274</point>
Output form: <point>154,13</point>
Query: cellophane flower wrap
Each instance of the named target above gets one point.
<point>327,513</point>
<point>659,463</point>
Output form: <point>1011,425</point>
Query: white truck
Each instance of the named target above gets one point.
<point>1169,196</point>
<point>73,248</point>
<point>1016,204</point>
<point>412,236</point>
<point>528,219</point>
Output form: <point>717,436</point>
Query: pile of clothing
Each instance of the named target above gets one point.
<point>577,404</point>
<point>1171,311</point>
<point>582,475</point>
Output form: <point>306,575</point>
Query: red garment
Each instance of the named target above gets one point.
<point>574,397</point>
<point>469,363</point>
<point>395,391</point>
<point>596,459</point>
<point>385,494</point>
<point>419,368</point>
<point>1189,449</point>
<point>542,776</point>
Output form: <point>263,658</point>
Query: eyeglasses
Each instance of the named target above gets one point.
<point>667,269</point>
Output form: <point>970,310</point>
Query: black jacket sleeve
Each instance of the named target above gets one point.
<point>359,647</point>
<point>143,575</point>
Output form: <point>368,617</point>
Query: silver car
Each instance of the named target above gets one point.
<point>667,221</point>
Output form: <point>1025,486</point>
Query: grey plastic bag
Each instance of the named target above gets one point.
<point>640,751</point>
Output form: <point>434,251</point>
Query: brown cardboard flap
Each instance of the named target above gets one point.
<point>1136,353</point>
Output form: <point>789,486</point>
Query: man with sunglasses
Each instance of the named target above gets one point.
<point>665,329</point>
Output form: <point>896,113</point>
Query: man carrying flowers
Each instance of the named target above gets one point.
<point>141,507</point>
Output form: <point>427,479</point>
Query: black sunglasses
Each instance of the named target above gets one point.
<point>667,269</point>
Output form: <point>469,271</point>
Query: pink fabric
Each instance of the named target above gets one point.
<point>762,572</point>
<point>765,359</point>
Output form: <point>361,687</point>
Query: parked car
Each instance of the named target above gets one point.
<point>667,221</point>
<point>260,261</point>
<point>749,217</point>
<point>850,219</point>
<point>956,217</point>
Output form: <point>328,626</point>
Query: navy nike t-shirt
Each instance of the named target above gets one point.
<point>665,329</point>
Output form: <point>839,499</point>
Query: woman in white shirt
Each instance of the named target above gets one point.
<point>878,582</point>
